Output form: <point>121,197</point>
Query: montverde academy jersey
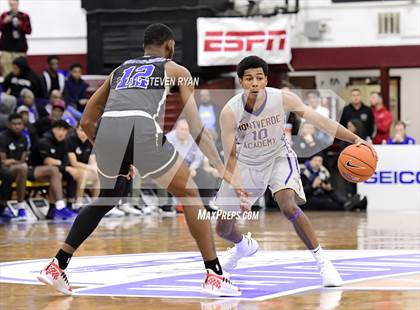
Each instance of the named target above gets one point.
<point>260,135</point>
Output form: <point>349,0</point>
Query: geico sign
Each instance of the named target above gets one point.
<point>395,177</point>
<point>240,41</point>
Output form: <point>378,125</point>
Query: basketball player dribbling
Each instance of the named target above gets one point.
<point>130,104</point>
<point>257,153</point>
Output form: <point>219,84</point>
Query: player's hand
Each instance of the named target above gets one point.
<point>132,172</point>
<point>360,141</point>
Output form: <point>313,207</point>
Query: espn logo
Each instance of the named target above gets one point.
<point>244,41</point>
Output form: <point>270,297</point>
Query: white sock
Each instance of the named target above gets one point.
<point>60,204</point>
<point>242,245</point>
<point>318,254</point>
<point>20,205</point>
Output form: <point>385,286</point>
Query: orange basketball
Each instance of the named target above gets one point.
<point>357,163</point>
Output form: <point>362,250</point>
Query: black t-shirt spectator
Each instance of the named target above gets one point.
<point>48,146</point>
<point>13,146</point>
<point>26,79</point>
<point>82,150</point>
<point>364,114</point>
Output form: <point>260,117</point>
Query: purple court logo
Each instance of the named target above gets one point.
<point>268,274</point>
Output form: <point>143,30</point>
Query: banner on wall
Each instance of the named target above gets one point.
<point>225,41</point>
<point>396,183</point>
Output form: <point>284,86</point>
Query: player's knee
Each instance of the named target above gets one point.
<point>22,168</point>
<point>289,208</point>
<point>222,229</point>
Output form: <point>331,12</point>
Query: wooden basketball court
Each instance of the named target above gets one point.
<point>336,231</point>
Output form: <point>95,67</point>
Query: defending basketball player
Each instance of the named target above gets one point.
<point>129,133</point>
<point>257,153</point>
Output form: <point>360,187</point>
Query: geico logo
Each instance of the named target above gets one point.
<point>395,177</point>
<point>239,41</point>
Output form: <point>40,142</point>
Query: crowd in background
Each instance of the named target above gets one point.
<point>40,139</point>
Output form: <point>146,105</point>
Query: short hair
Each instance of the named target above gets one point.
<point>14,116</point>
<point>26,92</point>
<point>314,92</point>
<point>52,57</point>
<point>75,65</point>
<point>60,124</point>
<point>157,34</point>
<point>401,123</point>
<point>355,89</point>
<point>251,62</point>
<point>377,93</point>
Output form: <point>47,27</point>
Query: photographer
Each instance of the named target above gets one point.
<point>319,192</point>
<point>14,26</point>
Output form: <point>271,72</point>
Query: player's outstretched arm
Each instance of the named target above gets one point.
<point>228,133</point>
<point>292,103</point>
<point>94,109</point>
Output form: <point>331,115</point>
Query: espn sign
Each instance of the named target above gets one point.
<point>244,41</point>
<point>225,41</point>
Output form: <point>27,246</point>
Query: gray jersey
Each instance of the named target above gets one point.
<point>260,135</point>
<point>139,85</point>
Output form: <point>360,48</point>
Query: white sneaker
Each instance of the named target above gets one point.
<point>219,285</point>
<point>115,212</point>
<point>54,276</point>
<point>330,276</point>
<point>230,260</point>
<point>128,209</point>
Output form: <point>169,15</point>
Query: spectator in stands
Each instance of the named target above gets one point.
<point>22,77</point>
<point>75,88</point>
<point>79,152</point>
<point>319,192</point>
<point>13,155</point>
<point>52,151</point>
<point>29,130</point>
<point>183,142</point>
<point>314,101</point>
<point>71,114</point>
<point>36,110</point>
<point>51,78</point>
<point>7,106</point>
<point>14,26</point>
<point>43,125</point>
<point>400,135</point>
<point>305,144</point>
<point>383,118</point>
<point>358,110</point>
<point>209,113</point>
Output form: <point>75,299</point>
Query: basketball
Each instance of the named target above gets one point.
<point>357,163</point>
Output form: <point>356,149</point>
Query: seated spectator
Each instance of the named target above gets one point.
<point>305,144</point>
<point>358,110</point>
<point>52,151</point>
<point>400,135</point>
<point>29,130</point>
<point>209,113</point>
<point>71,114</point>
<point>7,106</point>
<point>319,192</point>
<point>36,110</point>
<point>75,88</point>
<point>51,78</point>
<point>13,157</point>
<point>57,113</point>
<point>187,148</point>
<point>383,118</point>
<point>79,152</point>
<point>22,77</point>
<point>314,101</point>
